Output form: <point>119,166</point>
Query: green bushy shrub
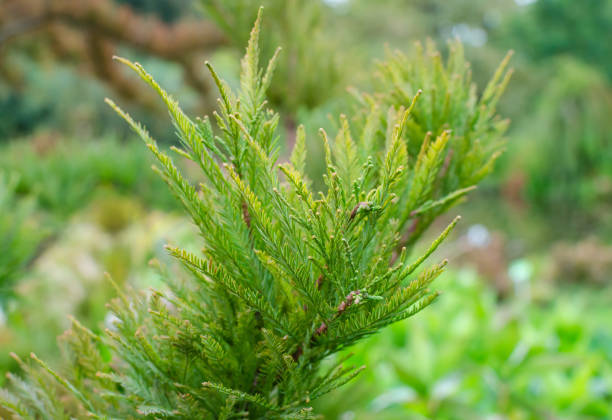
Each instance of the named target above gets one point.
<point>24,114</point>
<point>20,235</point>
<point>448,107</point>
<point>62,175</point>
<point>285,277</point>
<point>67,277</point>
<point>472,357</point>
<point>569,156</point>
<point>552,28</point>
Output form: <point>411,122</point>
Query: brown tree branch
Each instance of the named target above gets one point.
<point>104,26</point>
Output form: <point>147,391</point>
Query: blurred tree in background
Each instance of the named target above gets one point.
<point>563,144</point>
<point>569,160</point>
<point>549,28</point>
<point>307,73</point>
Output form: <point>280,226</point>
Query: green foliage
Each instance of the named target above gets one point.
<point>67,277</point>
<point>20,235</point>
<point>63,175</point>
<point>166,10</point>
<point>395,21</point>
<point>462,132</point>
<point>286,277</point>
<point>307,71</point>
<point>25,114</point>
<point>472,357</point>
<point>43,96</point>
<point>557,27</point>
<point>569,155</point>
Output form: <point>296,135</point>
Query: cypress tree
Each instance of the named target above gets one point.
<point>286,276</point>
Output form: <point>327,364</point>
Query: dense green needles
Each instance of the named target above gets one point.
<point>286,276</point>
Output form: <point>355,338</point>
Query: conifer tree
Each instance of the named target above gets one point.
<point>286,277</point>
<point>448,119</point>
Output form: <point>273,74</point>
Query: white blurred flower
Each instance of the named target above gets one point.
<point>478,236</point>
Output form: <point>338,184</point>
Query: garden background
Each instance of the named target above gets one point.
<point>522,328</point>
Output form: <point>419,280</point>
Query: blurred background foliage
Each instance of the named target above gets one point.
<point>522,329</point>
<point>531,358</point>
